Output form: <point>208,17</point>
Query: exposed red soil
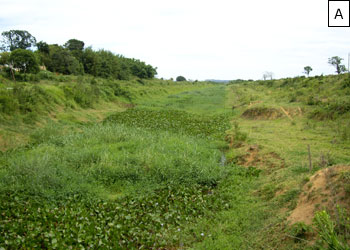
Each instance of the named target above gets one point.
<point>325,190</point>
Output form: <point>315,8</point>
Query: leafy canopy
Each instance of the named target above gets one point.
<point>17,39</point>
<point>336,62</point>
<point>180,79</point>
<point>24,60</point>
<point>307,70</point>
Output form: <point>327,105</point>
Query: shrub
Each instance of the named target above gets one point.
<point>180,79</point>
<point>326,229</point>
<point>24,60</point>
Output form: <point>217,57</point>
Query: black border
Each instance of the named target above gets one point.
<point>349,13</point>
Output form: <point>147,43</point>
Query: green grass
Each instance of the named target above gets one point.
<point>209,127</point>
<point>209,100</point>
<point>124,183</point>
<point>105,166</point>
<point>97,174</point>
<point>289,137</point>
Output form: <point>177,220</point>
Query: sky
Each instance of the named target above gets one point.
<point>221,39</point>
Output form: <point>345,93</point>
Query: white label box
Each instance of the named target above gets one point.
<point>338,13</point>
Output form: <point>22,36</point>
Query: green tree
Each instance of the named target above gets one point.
<point>24,60</point>
<point>74,44</point>
<point>76,47</point>
<point>90,61</point>
<point>307,70</point>
<point>17,39</point>
<point>4,58</point>
<point>180,79</point>
<point>43,53</point>
<point>62,61</point>
<point>336,62</point>
<point>43,47</point>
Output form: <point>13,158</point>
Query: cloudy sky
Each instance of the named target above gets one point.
<point>221,39</point>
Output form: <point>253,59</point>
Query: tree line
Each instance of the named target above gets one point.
<point>22,52</point>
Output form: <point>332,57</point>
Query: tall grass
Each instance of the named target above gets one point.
<point>97,169</point>
<point>108,156</point>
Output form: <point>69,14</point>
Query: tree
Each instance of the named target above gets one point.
<point>90,61</point>
<point>336,62</point>
<point>307,70</point>
<point>17,39</point>
<point>43,47</point>
<point>62,61</point>
<point>74,44</point>
<point>76,48</point>
<point>43,53</point>
<point>180,79</point>
<point>5,58</point>
<point>24,60</point>
<point>267,75</point>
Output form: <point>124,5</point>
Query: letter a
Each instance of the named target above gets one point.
<point>336,14</point>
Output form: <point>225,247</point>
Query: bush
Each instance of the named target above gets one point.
<point>24,60</point>
<point>180,79</point>
<point>326,229</point>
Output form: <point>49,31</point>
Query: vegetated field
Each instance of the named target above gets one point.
<point>161,165</point>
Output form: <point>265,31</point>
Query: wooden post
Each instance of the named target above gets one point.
<point>310,163</point>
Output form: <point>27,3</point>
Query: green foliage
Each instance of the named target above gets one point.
<point>111,185</point>
<point>85,95</point>
<point>54,188</point>
<point>299,231</point>
<point>8,105</point>
<point>176,121</point>
<point>180,79</point>
<point>112,156</point>
<point>105,64</point>
<point>43,47</point>
<point>290,197</point>
<point>237,136</point>
<point>237,226</point>
<point>24,60</point>
<point>4,58</point>
<point>208,100</point>
<point>17,39</point>
<point>326,229</point>
<point>336,62</point>
<point>307,70</point>
<point>149,221</point>
<point>72,58</point>
<point>62,61</point>
<point>24,98</point>
<point>74,45</point>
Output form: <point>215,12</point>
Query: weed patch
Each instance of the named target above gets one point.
<point>210,127</point>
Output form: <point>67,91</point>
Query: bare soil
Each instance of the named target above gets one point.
<point>324,190</point>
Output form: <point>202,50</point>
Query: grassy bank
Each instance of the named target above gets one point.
<point>29,104</point>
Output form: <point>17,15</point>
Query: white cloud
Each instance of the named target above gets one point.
<point>198,39</point>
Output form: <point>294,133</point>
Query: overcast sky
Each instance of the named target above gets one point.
<point>221,39</point>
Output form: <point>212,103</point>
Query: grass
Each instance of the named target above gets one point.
<point>97,174</point>
<point>288,136</point>
<point>105,166</point>
<point>290,139</point>
<point>89,185</point>
<point>209,100</point>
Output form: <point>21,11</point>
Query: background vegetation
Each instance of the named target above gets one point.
<point>70,58</point>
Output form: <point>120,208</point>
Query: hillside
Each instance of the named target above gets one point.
<point>89,162</point>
